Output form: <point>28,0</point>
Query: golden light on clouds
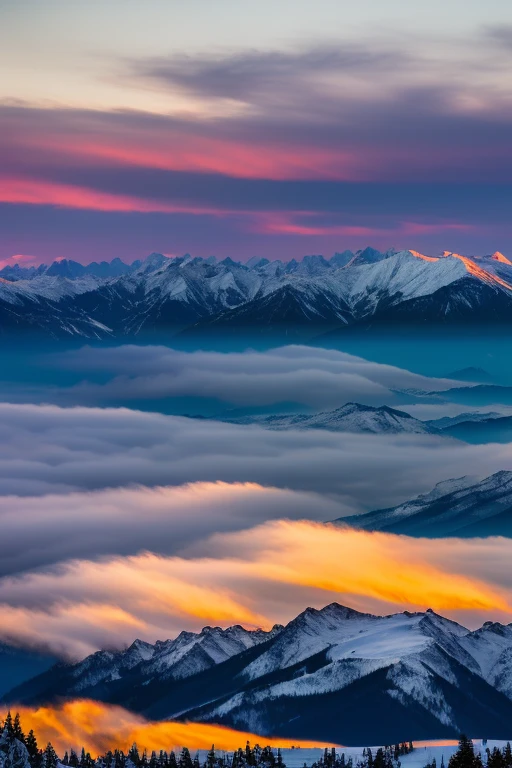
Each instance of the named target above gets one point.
<point>99,727</point>
<point>391,568</point>
<point>258,577</point>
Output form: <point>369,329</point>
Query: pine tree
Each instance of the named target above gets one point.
<point>8,726</point>
<point>17,730</point>
<point>464,757</point>
<point>185,760</point>
<point>210,758</point>
<point>379,761</point>
<point>50,758</point>
<point>495,759</point>
<point>34,755</point>
<point>133,755</point>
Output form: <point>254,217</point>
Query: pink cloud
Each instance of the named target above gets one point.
<point>306,224</point>
<point>40,192</point>
<point>23,259</point>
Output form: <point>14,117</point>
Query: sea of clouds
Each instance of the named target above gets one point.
<point>119,523</point>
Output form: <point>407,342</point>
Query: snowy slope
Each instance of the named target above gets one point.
<point>351,417</point>
<point>459,507</point>
<point>418,661</point>
<point>327,669</point>
<point>188,654</point>
<point>491,647</point>
<point>174,293</point>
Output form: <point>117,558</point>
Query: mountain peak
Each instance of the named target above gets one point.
<point>332,610</point>
<point>196,295</point>
<point>459,507</point>
<point>498,256</point>
<point>413,666</point>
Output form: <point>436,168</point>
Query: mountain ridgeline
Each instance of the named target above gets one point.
<point>362,290</point>
<point>333,675</point>
<point>463,507</point>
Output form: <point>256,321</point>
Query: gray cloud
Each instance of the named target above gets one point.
<point>46,449</point>
<point>318,378</point>
<point>249,74</point>
<point>45,530</point>
<point>501,34</point>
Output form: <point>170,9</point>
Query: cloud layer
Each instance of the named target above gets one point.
<point>99,727</point>
<point>257,578</point>
<point>118,523</point>
<point>46,449</point>
<point>317,378</point>
<point>45,530</point>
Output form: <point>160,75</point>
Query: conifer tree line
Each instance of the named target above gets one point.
<point>385,757</point>
<point>20,750</point>
<point>466,757</point>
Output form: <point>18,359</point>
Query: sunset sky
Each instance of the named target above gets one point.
<point>253,129</point>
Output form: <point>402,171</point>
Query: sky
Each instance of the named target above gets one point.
<point>272,129</point>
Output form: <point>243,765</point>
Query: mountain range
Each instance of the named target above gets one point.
<point>334,675</point>
<point>202,296</point>
<point>351,417</point>
<point>462,507</point>
<point>356,418</point>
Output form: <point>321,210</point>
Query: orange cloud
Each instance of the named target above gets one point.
<point>99,727</point>
<point>258,577</point>
<point>394,569</point>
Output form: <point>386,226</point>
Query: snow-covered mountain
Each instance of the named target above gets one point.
<point>68,268</point>
<point>333,674</point>
<point>351,417</point>
<point>460,507</point>
<point>187,655</point>
<point>313,295</point>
